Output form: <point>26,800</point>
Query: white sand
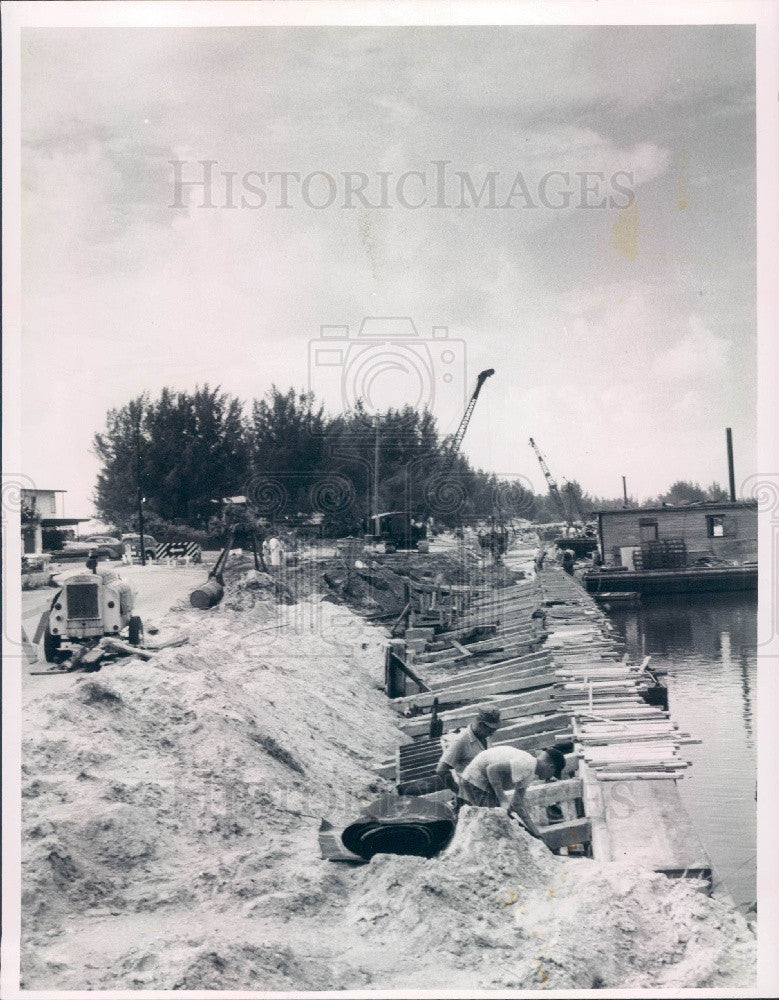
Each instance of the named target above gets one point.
<point>170,818</point>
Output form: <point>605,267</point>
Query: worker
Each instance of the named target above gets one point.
<point>276,550</point>
<point>496,771</point>
<point>568,559</point>
<point>540,556</point>
<point>92,560</point>
<point>470,742</point>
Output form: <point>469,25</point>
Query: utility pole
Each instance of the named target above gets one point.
<point>376,470</point>
<point>731,470</point>
<point>140,488</point>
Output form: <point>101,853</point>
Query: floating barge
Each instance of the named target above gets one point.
<point>690,549</point>
<point>693,580</point>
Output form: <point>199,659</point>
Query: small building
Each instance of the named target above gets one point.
<point>39,512</point>
<point>671,537</point>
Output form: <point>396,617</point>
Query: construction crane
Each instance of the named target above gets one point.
<point>554,489</point>
<point>460,433</point>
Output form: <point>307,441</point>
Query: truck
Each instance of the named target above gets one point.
<point>398,530</point>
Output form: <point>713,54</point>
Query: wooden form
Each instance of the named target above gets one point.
<point>629,750</point>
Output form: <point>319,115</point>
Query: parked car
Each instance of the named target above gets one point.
<point>107,547</point>
<point>149,543</point>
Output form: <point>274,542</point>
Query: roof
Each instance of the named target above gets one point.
<point>62,522</point>
<point>39,489</point>
<point>702,505</point>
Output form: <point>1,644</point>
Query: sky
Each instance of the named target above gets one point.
<point>621,327</point>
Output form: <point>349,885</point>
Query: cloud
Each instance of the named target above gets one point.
<point>699,354</point>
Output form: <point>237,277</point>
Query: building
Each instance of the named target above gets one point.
<point>39,512</point>
<point>646,538</point>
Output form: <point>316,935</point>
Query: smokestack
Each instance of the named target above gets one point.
<point>731,472</point>
<point>624,492</point>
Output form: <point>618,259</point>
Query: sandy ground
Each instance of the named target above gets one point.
<point>170,817</point>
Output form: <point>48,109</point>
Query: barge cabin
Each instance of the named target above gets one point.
<point>700,546</point>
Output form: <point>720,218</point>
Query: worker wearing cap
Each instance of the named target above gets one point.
<point>498,771</point>
<point>462,750</point>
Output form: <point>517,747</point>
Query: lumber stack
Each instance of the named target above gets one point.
<point>487,651</point>
<point>616,733</point>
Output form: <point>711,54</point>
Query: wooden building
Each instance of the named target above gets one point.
<point>645,538</point>
<point>39,512</point>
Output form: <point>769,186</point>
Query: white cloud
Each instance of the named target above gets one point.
<point>699,354</point>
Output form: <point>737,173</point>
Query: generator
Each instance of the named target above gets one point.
<point>90,606</point>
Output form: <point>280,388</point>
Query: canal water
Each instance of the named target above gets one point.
<point>707,643</point>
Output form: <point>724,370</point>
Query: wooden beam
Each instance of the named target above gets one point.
<point>461,717</point>
<point>476,692</point>
<point>550,792</point>
<point>568,834</point>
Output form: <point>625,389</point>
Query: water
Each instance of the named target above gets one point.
<point>707,643</point>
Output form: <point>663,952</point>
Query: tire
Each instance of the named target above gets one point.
<point>135,631</point>
<point>149,555</point>
<point>51,646</point>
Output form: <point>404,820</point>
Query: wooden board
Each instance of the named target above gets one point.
<point>462,716</point>
<point>548,792</point>
<point>568,834</point>
<point>648,825</point>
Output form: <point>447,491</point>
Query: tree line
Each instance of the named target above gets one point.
<point>295,464</point>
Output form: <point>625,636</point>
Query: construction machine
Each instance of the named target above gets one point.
<point>580,545</point>
<point>457,440</point>
<point>88,607</point>
<point>554,489</point>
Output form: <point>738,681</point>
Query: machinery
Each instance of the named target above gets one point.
<point>460,433</point>
<point>90,606</point>
<point>575,512</point>
<point>397,530</point>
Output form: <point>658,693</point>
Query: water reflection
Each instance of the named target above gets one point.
<point>707,644</point>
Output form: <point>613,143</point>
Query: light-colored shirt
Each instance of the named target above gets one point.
<point>520,771</point>
<point>462,750</point>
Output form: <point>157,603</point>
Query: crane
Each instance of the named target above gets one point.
<point>554,489</point>
<point>460,433</point>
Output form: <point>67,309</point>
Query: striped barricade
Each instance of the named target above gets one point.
<point>179,550</point>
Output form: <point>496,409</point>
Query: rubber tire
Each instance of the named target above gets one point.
<point>51,646</point>
<point>135,631</point>
<point>150,555</point>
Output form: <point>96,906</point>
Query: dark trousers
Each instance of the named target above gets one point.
<point>473,796</point>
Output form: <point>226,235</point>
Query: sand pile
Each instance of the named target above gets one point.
<point>170,819</point>
<point>497,910</point>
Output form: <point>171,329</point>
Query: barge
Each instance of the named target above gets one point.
<point>685,580</point>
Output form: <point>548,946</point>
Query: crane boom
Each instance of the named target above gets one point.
<point>554,489</point>
<point>460,433</point>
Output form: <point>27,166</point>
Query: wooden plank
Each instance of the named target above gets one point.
<point>477,692</point>
<point>501,652</point>
<point>592,797</point>
<point>648,825</point>
<point>550,792</point>
<point>538,741</point>
<point>462,717</point>
<point>568,834</point>
<point>512,730</point>
<point>477,673</point>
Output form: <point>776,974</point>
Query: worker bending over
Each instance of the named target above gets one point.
<point>499,777</point>
<point>467,745</point>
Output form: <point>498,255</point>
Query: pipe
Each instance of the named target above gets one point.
<point>731,471</point>
<point>207,596</point>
